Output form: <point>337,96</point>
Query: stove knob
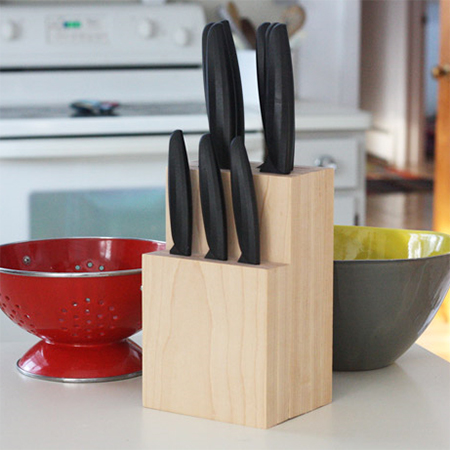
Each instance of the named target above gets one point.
<point>9,30</point>
<point>146,28</point>
<point>182,37</point>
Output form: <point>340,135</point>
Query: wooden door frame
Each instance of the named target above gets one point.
<point>415,148</point>
<point>441,204</point>
<point>441,200</point>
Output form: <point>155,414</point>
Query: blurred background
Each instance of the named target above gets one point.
<point>91,91</point>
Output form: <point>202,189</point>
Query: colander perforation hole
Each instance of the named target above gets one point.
<point>64,310</point>
<point>88,322</point>
<point>7,299</point>
<point>61,320</point>
<point>75,304</point>
<point>87,311</point>
<point>76,316</point>
<point>90,264</point>
<point>101,268</point>
<point>17,306</point>
<point>27,316</point>
<point>115,317</point>
<point>111,308</point>
<point>100,316</point>
<point>101,302</point>
<point>88,300</point>
<point>64,329</point>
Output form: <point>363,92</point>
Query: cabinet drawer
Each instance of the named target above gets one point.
<point>341,153</point>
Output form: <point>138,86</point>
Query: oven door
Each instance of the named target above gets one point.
<point>96,186</point>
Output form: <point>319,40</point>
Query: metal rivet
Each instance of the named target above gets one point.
<point>26,260</point>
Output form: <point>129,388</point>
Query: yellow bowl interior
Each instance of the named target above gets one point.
<point>370,243</point>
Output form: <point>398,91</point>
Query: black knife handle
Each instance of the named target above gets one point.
<point>180,196</point>
<point>220,94</point>
<point>212,200</point>
<point>261,66</point>
<point>279,102</point>
<point>237,83</point>
<point>244,203</point>
<point>204,62</point>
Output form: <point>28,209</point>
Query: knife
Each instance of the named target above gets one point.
<point>180,196</point>
<point>244,203</point>
<point>279,102</point>
<point>212,200</point>
<point>237,84</point>
<point>220,95</point>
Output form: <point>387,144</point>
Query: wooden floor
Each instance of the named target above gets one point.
<point>411,211</point>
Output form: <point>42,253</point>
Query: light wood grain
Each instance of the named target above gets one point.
<point>296,226</point>
<point>215,339</point>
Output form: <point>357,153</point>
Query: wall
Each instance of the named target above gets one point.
<point>330,54</point>
<point>384,75</point>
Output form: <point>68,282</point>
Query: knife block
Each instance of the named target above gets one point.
<point>244,344</point>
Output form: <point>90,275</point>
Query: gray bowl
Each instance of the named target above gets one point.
<point>388,286</point>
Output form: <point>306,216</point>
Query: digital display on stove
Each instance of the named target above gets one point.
<point>72,24</point>
<point>84,29</point>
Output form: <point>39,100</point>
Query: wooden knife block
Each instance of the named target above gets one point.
<point>244,344</point>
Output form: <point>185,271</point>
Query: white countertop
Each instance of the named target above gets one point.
<point>404,406</point>
<point>314,116</point>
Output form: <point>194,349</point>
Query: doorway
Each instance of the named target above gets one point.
<point>431,60</point>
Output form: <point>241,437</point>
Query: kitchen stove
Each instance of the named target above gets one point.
<point>63,175</point>
<point>146,58</point>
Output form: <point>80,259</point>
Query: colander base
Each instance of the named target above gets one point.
<point>82,364</point>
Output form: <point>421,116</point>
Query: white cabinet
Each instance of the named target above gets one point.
<point>332,136</point>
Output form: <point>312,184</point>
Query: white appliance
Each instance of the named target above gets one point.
<point>66,175</point>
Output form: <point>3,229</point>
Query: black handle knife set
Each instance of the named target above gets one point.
<point>224,147</point>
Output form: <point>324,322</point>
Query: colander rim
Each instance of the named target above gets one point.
<point>107,273</point>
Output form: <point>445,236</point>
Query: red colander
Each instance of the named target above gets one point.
<point>82,297</point>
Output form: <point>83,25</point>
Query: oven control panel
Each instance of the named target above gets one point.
<point>105,34</point>
<point>77,29</point>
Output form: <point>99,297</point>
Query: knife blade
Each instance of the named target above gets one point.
<point>244,203</point>
<point>212,200</point>
<point>279,102</point>
<point>220,95</point>
<point>180,196</point>
<point>237,84</point>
